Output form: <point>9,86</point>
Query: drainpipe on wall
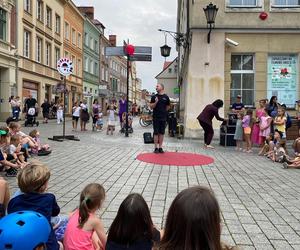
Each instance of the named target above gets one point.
<point>185,53</point>
<point>16,46</point>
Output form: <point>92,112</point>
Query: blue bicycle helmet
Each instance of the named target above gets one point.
<point>24,230</point>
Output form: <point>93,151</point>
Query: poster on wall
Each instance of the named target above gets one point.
<point>283,78</point>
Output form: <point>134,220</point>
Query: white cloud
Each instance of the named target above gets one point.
<point>139,21</point>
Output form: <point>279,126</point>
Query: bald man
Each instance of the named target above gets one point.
<point>160,103</point>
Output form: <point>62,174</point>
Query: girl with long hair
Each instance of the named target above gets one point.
<point>133,228</point>
<point>85,230</point>
<point>193,222</point>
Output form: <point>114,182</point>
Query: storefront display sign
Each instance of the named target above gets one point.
<point>283,78</point>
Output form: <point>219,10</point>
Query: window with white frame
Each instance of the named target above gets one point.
<point>102,74</point>
<point>73,36</point>
<point>57,54</point>
<point>242,78</point>
<point>79,40</point>
<point>106,75</point>
<point>86,39</point>
<point>74,64</point>
<point>86,64</point>
<point>79,67</point>
<point>243,3</point>
<point>3,24</point>
<point>57,24</point>
<point>39,49</point>
<point>96,68</point>
<point>39,10</point>
<point>96,46</point>
<point>27,44</point>
<point>91,43</point>
<point>48,17</point>
<point>27,6</point>
<point>91,67</point>
<point>286,3</point>
<point>67,31</point>
<point>48,54</point>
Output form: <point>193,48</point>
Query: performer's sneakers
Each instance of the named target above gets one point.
<point>156,150</point>
<point>160,150</point>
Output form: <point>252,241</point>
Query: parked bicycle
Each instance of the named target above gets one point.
<point>146,118</point>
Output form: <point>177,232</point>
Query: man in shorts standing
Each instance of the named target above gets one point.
<point>160,103</point>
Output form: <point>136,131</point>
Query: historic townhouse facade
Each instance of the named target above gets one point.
<point>8,56</point>
<point>73,49</point>
<point>253,52</point>
<point>40,40</point>
<point>91,56</point>
<point>105,92</point>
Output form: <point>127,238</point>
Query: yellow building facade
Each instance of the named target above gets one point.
<point>253,52</point>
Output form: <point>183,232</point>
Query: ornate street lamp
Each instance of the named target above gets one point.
<point>210,13</point>
<point>181,40</point>
<point>165,50</point>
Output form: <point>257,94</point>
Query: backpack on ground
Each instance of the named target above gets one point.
<point>148,138</point>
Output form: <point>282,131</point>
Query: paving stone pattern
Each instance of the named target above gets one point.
<point>260,201</point>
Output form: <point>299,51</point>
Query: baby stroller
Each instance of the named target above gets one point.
<point>130,119</point>
<point>30,118</point>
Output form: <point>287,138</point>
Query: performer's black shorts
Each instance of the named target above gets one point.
<point>159,126</point>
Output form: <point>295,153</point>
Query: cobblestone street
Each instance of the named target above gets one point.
<point>260,201</point>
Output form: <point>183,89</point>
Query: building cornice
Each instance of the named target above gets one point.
<point>249,30</point>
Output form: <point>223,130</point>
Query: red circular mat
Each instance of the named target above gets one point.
<point>176,159</point>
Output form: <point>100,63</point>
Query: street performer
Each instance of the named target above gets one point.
<point>160,103</point>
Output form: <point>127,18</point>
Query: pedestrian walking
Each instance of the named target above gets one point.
<point>122,109</point>
<point>160,103</point>
<point>84,115</point>
<point>96,108</point>
<point>75,115</point>
<point>45,110</point>
<point>205,120</point>
<point>60,113</point>
<point>111,120</point>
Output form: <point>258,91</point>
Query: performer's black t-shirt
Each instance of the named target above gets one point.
<point>160,112</point>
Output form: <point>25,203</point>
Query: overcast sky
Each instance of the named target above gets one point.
<point>138,21</point>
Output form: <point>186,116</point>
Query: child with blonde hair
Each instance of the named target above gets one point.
<point>15,150</point>
<point>238,135</point>
<point>85,230</point>
<point>33,183</point>
<point>280,122</point>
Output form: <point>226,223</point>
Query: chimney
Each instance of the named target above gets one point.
<point>88,11</point>
<point>113,40</point>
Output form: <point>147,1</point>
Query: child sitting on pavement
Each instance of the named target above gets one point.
<point>40,149</point>
<point>33,183</point>
<point>26,141</point>
<point>85,230</point>
<point>6,160</point>
<point>15,149</point>
<point>266,147</point>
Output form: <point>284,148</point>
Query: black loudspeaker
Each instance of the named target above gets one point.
<point>148,138</point>
<point>227,129</point>
<point>227,140</point>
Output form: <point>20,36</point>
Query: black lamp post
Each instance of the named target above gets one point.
<point>210,13</point>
